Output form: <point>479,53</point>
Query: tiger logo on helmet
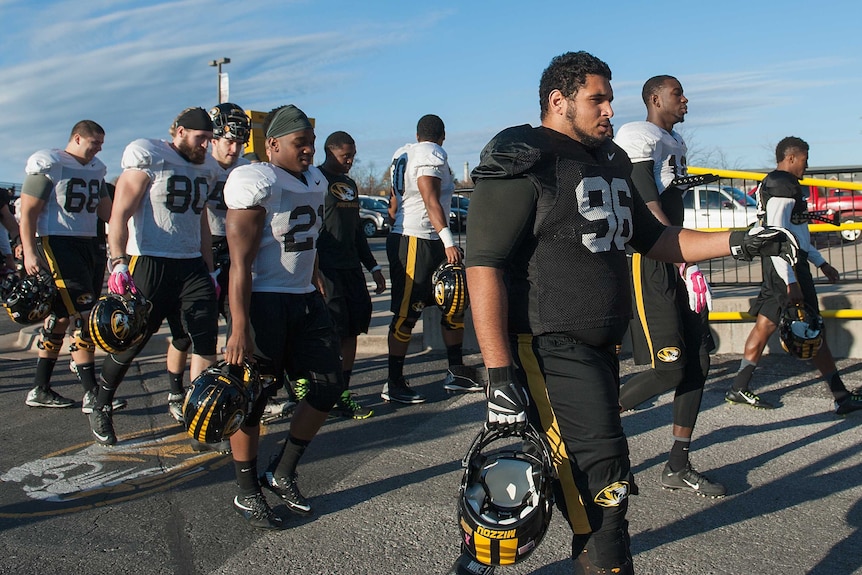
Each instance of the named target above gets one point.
<point>119,322</point>
<point>800,330</point>
<point>31,299</point>
<point>219,401</point>
<point>506,497</point>
<point>230,122</point>
<point>450,289</point>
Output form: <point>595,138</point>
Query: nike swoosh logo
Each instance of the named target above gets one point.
<point>694,486</point>
<point>245,470</point>
<point>498,393</point>
<point>611,156</point>
<point>240,505</point>
<point>316,182</point>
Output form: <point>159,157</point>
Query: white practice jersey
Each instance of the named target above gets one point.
<point>71,208</point>
<point>216,208</point>
<point>294,215</point>
<point>644,141</point>
<point>409,163</point>
<point>167,223</point>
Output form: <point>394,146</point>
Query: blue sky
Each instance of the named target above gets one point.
<point>754,71</point>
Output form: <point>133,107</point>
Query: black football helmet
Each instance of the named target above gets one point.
<point>31,299</point>
<point>231,122</point>
<point>450,289</point>
<point>800,330</point>
<point>219,400</point>
<point>506,497</point>
<point>119,322</point>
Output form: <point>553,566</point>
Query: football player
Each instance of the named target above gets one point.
<point>278,318</point>
<point>670,331</point>
<point>63,196</point>
<point>159,241</point>
<point>550,218</point>
<point>781,202</point>
<point>422,186</point>
<point>342,251</point>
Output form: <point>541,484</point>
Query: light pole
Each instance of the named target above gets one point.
<point>217,64</point>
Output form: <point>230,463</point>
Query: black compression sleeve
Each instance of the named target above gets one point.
<point>644,181</point>
<point>501,211</point>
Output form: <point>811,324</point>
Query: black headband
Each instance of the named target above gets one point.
<point>195,119</point>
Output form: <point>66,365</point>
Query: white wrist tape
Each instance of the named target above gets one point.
<point>446,235</point>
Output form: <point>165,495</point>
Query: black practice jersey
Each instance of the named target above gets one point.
<point>342,243</point>
<point>557,217</point>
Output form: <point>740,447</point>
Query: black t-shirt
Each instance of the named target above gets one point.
<point>342,243</point>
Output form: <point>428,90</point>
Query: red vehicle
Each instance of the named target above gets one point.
<point>847,203</point>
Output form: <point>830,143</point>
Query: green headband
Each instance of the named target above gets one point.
<point>288,120</point>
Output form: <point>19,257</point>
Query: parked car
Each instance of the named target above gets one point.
<point>373,222</point>
<point>846,203</point>
<point>377,204</point>
<point>718,207</point>
<point>458,212</point>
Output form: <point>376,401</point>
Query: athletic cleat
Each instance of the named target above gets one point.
<point>689,479</point>
<point>346,406</point>
<point>300,388</point>
<point>461,378</point>
<point>466,565</point>
<point>89,401</point>
<point>102,426</point>
<point>200,446</point>
<point>175,406</point>
<point>849,404</point>
<point>255,510</point>
<point>276,409</point>
<point>41,398</point>
<point>745,397</point>
<point>400,392</point>
<point>287,489</point>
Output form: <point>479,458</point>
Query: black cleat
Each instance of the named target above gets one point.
<point>38,397</point>
<point>102,425</point>
<point>462,379</point>
<point>466,565</point>
<point>849,404</point>
<point>689,479</point>
<point>288,490</point>
<point>255,510</point>
<point>400,392</point>
<point>745,397</point>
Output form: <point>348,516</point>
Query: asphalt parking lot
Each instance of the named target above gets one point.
<point>384,489</point>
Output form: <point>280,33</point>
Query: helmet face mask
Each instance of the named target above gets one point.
<point>219,401</point>
<point>800,330</point>
<point>31,299</point>
<point>450,289</point>
<point>506,497</point>
<point>231,122</point>
<point>117,323</point>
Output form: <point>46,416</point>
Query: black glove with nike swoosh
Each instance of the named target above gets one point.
<point>764,241</point>
<point>507,402</point>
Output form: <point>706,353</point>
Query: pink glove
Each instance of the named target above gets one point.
<point>214,276</point>
<point>121,280</point>
<point>699,294</point>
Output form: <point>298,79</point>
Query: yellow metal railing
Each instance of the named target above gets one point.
<point>740,175</point>
<point>745,316</point>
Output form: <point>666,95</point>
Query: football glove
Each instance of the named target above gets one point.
<point>699,294</point>
<point>507,402</point>
<point>121,280</point>
<point>764,241</point>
